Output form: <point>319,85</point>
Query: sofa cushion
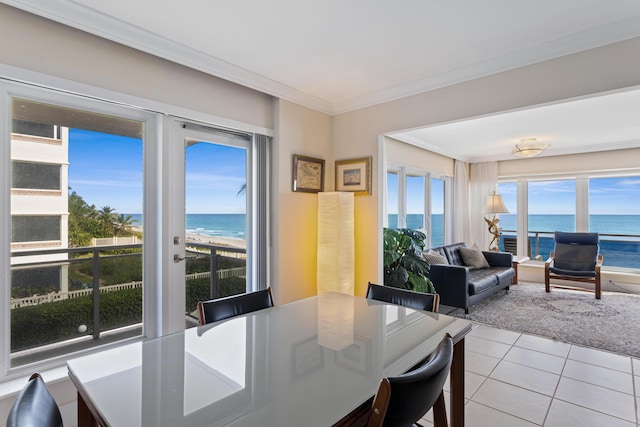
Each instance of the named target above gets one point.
<point>453,254</point>
<point>433,257</point>
<point>473,258</point>
<point>481,280</point>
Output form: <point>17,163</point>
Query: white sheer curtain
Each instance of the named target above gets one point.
<point>483,179</point>
<point>460,203</point>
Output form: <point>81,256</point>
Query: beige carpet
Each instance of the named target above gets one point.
<point>611,323</point>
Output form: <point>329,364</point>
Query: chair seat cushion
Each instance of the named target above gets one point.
<point>564,272</point>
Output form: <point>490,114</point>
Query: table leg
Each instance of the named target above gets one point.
<point>456,404</point>
<point>85,417</point>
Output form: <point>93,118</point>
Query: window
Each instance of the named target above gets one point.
<point>437,212</point>
<point>607,205</point>
<point>416,200</point>
<point>81,203</point>
<point>552,207</point>
<point>614,212</point>
<point>64,244</point>
<point>35,228</point>
<point>36,176</point>
<point>392,199</point>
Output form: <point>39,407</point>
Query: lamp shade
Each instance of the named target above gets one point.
<point>336,257</point>
<point>495,205</point>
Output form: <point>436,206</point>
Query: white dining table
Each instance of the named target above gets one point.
<point>312,362</point>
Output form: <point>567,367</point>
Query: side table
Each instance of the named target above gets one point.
<point>514,262</point>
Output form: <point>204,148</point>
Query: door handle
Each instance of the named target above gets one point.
<point>177,258</point>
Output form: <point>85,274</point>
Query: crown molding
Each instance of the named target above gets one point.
<point>579,42</point>
<point>76,15</point>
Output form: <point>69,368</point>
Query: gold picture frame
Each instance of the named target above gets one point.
<point>308,174</point>
<point>354,175</point>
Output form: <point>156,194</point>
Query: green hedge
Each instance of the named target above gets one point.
<point>42,324</point>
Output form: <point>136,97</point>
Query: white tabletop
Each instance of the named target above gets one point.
<point>308,363</point>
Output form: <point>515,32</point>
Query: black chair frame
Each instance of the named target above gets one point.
<point>235,305</point>
<point>404,297</point>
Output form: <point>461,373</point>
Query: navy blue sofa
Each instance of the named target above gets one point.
<point>462,287</point>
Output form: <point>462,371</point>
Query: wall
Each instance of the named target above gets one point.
<point>615,160</point>
<point>45,46</point>
<point>299,130</point>
<point>400,153</point>
<point>355,134</point>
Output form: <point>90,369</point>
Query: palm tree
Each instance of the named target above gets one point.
<point>107,218</point>
<point>122,223</point>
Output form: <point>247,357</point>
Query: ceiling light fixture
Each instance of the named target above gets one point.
<point>529,147</point>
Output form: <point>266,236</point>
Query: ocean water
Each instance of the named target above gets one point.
<point>617,250</point>
<point>218,225</point>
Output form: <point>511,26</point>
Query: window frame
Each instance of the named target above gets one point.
<point>10,90</point>
<point>403,172</point>
<point>582,203</point>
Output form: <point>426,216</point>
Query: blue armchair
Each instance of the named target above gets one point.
<point>576,257</point>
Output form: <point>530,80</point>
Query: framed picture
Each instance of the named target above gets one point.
<point>308,174</point>
<point>306,357</point>
<point>356,357</point>
<point>354,175</point>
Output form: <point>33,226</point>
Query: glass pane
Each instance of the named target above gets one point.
<point>392,199</point>
<point>508,222</point>
<point>216,222</point>
<point>73,249</point>
<point>552,207</point>
<point>437,212</point>
<point>415,202</point>
<point>614,207</point>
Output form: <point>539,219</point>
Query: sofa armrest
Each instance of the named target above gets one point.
<point>498,259</point>
<point>451,283</point>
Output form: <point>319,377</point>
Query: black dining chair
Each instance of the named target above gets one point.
<point>404,297</point>
<point>235,305</point>
<point>405,399</point>
<point>34,406</point>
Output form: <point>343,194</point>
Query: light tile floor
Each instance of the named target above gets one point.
<point>514,379</point>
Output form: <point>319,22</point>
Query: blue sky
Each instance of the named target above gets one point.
<point>106,170</point>
<point>415,195</point>
<point>607,196</point>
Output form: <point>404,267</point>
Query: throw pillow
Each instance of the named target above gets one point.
<point>473,258</point>
<point>433,257</point>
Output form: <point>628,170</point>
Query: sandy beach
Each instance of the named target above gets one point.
<point>202,238</point>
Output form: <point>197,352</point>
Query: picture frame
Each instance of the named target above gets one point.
<point>354,175</point>
<point>306,357</point>
<point>308,174</point>
<point>357,357</point>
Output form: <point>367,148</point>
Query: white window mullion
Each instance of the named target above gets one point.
<point>402,198</point>
<point>582,204</point>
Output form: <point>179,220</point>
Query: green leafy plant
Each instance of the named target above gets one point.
<point>404,266</point>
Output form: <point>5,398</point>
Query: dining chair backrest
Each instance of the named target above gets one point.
<point>404,297</point>
<point>405,399</point>
<point>34,406</point>
<point>235,305</point>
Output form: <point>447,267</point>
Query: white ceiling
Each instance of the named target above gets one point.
<point>336,55</point>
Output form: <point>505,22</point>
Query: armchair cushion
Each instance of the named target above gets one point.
<point>575,257</point>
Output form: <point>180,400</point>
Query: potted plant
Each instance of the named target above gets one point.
<point>404,266</point>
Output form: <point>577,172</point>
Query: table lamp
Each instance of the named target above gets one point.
<point>494,205</point>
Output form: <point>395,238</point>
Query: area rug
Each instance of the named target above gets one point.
<point>611,323</point>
